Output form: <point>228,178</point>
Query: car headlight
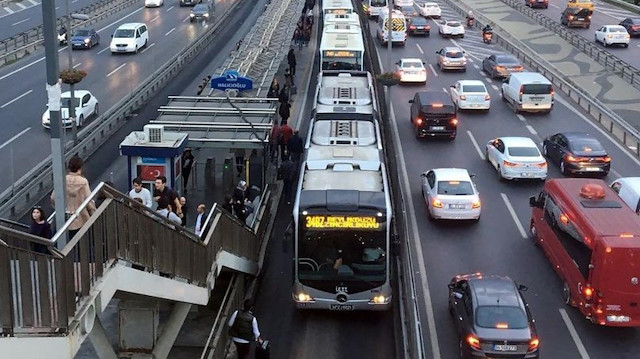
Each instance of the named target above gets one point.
<point>303,297</point>
<point>206,15</point>
<point>86,41</point>
<point>192,15</point>
<point>379,299</point>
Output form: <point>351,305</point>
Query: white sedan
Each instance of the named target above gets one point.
<point>470,95</point>
<point>450,28</point>
<point>153,3</point>
<point>411,70</point>
<point>516,158</point>
<point>430,9</point>
<point>612,35</point>
<point>449,193</point>
<point>86,106</point>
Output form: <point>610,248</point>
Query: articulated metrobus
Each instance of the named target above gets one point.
<point>341,51</point>
<point>351,18</point>
<point>342,214</point>
<point>336,7</point>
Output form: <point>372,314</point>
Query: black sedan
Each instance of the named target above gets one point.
<point>418,26</point>
<point>492,318</point>
<point>84,38</point>
<point>577,153</point>
<point>501,65</point>
<point>632,25</point>
<point>201,11</point>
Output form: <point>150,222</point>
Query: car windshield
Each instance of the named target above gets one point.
<point>66,101</point>
<point>455,188</point>
<point>407,9</point>
<point>506,60</point>
<point>454,54</point>
<point>586,145</point>
<point>412,64</point>
<point>433,6</point>
<point>524,151</point>
<point>124,33</point>
<point>474,88</point>
<point>500,316</point>
<point>378,3</point>
<point>81,33</point>
<point>453,23</point>
<point>635,21</point>
<point>200,7</point>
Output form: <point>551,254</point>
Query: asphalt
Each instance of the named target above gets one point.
<point>495,244</point>
<point>110,78</point>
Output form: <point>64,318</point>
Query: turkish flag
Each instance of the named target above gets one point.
<point>149,173</point>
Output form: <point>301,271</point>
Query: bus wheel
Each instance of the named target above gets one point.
<point>566,295</point>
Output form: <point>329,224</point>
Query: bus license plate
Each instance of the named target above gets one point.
<point>341,307</point>
<point>505,348</point>
<point>437,128</point>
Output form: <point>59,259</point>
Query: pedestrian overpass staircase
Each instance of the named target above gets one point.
<point>49,302</point>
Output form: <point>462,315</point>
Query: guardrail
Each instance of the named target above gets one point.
<point>608,120</point>
<point>20,45</point>
<point>611,62</point>
<point>38,182</point>
<point>408,308</point>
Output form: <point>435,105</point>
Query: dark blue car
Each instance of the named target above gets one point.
<point>84,38</point>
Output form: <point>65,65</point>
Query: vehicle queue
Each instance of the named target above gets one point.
<point>583,246</point>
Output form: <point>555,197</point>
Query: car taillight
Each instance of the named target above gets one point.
<point>534,344</point>
<point>588,292</point>
<point>509,164</point>
<point>520,94</point>
<point>574,159</point>
<point>487,97</point>
<point>519,68</point>
<point>412,27</point>
<point>418,121</point>
<point>463,97</point>
<point>473,342</point>
<point>436,203</point>
<point>454,121</point>
<point>570,17</point>
<point>542,165</point>
<point>606,159</point>
<point>497,67</point>
<point>636,27</point>
<point>475,204</point>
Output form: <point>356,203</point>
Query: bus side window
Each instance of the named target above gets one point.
<point>568,236</point>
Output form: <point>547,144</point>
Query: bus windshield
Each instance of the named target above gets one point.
<point>342,63</point>
<point>326,257</point>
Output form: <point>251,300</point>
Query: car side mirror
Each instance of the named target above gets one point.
<point>452,86</point>
<point>111,36</point>
<point>410,101</point>
<point>397,63</point>
<point>423,175</point>
<point>505,81</point>
<point>522,287</point>
<point>451,286</point>
<point>472,175</point>
<point>533,202</point>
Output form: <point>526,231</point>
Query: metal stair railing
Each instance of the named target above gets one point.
<point>40,293</point>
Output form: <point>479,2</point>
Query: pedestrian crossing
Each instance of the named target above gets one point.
<point>11,7</point>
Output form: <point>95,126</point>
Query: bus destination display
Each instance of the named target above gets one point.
<point>339,53</point>
<point>341,222</point>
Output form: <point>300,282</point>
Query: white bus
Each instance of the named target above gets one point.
<point>342,51</point>
<point>349,93</point>
<point>336,7</point>
<point>398,29</point>
<point>351,18</point>
<point>373,7</point>
<point>342,216</point>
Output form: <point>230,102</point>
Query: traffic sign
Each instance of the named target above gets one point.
<point>231,80</point>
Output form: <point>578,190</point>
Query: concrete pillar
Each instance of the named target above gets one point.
<point>171,330</point>
<point>100,342</point>
<point>138,324</point>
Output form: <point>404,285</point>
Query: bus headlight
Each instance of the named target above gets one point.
<point>618,318</point>
<point>303,297</point>
<point>379,299</point>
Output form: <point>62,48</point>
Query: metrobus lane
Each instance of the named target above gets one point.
<point>494,245</point>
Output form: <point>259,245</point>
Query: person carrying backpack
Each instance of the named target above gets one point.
<point>244,329</point>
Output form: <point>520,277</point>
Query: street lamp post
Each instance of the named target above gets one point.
<point>72,105</point>
<point>53,95</point>
<point>389,46</point>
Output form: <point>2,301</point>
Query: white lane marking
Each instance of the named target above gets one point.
<point>615,173</point>
<point>117,68</point>
<point>21,21</point>
<point>171,8</point>
<point>420,49</point>
<point>154,19</point>
<point>431,322</point>
<point>495,87</point>
<point>122,18</point>
<point>476,146</point>
<point>76,65</point>
<point>35,3</point>
<point>57,7</point>
<point>14,137</point>
<point>488,80</point>
<point>556,6</point>
<point>615,142</point>
<point>16,99</point>
<point>433,70</point>
<point>445,90</point>
<point>476,66</point>
<point>186,18</point>
<point>521,118</point>
<point>513,215</point>
<point>74,1</point>
<point>148,47</point>
<point>470,59</point>
<point>170,31</point>
<point>531,129</point>
<point>103,50</point>
<point>574,334</point>
<point>483,73</point>
<point>7,9</point>
<point>20,5</point>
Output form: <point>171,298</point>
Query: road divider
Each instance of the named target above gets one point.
<point>38,182</point>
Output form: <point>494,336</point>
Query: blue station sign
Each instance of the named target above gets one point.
<point>231,80</point>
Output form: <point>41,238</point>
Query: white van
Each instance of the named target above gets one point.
<point>628,188</point>
<point>398,29</point>
<point>373,7</point>
<point>528,91</point>
<point>399,3</point>
<point>129,38</point>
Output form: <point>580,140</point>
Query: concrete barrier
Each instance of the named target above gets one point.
<point>38,182</point>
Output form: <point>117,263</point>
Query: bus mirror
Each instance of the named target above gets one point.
<point>522,287</point>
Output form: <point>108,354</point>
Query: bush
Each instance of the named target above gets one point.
<point>388,78</point>
<point>72,76</point>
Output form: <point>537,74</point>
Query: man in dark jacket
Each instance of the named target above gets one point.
<point>244,329</point>
<point>295,146</point>
<point>291,59</point>
<point>287,173</point>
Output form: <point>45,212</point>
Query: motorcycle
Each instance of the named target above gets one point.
<point>487,36</point>
<point>470,22</point>
<point>62,36</point>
